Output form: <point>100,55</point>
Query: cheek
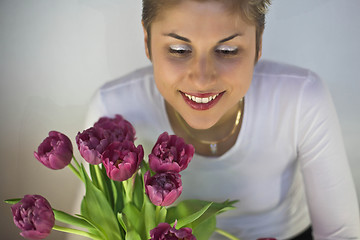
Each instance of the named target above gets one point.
<point>168,72</point>
<point>240,67</point>
<point>166,79</point>
<point>238,75</point>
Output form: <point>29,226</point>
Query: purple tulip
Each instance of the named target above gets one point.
<point>165,232</point>
<point>55,151</point>
<point>91,145</point>
<point>116,129</point>
<point>122,160</point>
<point>34,216</point>
<point>163,188</point>
<point>170,154</point>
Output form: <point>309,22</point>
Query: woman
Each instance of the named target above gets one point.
<point>265,133</point>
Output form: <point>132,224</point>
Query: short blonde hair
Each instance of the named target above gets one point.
<point>253,11</point>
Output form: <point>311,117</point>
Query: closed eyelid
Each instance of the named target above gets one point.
<point>227,47</point>
<point>180,47</point>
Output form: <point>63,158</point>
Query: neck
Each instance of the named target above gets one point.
<point>223,134</point>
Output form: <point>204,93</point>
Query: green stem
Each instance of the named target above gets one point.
<point>157,214</point>
<point>226,234</point>
<point>128,187</point>
<point>99,178</point>
<point>76,162</point>
<point>102,184</point>
<point>77,232</point>
<point>75,171</point>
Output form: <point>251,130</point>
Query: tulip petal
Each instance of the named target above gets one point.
<point>55,152</point>
<point>170,154</point>
<point>122,159</point>
<point>34,216</point>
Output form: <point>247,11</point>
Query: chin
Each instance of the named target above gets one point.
<point>201,125</point>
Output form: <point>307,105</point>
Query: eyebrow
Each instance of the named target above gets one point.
<point>174,35</point>
<point>229,38</point>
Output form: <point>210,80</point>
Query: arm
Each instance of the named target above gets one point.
<point>329,186</point>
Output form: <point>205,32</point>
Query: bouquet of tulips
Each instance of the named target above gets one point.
<point>126,197</point>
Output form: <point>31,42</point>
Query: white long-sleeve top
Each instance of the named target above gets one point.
<point>288,167</point>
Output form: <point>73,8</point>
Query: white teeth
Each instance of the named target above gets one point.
<point>201,100</point>
<point>205,100</point>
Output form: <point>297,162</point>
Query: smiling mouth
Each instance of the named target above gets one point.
<point>200,99</point>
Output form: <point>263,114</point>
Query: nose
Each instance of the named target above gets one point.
<point>202,71</point>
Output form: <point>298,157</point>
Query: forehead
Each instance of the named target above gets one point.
<point>200,17</point>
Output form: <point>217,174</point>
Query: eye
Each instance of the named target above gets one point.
<point>227,51</point>
<point>180,50</point>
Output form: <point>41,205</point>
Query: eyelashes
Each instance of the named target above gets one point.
<point>183,50</point>
<point>227,50</point>
<point>180,50</point>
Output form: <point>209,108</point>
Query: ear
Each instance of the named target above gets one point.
<point>146,41</point>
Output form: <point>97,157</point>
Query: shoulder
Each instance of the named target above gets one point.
<point>271,68</point>
<point>133,89</point>
<point>133,95</point>
<point>281,89</point>
<point>275,76</point>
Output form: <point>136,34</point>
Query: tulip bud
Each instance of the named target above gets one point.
<point>117,128</point>
<point>165,232</point>
<point>163,188</point>
<point>34,216</point>
<point>122,159</point>
<point>91,145</point>
<point>55,151</point>
<point>170,154</point>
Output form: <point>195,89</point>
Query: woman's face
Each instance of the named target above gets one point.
<point>203,60</point>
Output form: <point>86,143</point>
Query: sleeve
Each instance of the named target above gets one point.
<point>329,185</point>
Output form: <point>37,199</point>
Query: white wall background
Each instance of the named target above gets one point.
<point>54,54</point>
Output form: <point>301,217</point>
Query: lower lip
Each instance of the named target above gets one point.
<point>202,106</point>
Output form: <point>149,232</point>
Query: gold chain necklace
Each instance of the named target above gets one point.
<point>213,145</point>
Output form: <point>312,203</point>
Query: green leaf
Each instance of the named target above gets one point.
<point>144,167</point>
<point>76,232</point>
<point>95,230</point>
<point>69,219</point>
<point>191,218</point>
<point>149,216</point>
<point>86,215</point>
<point>93,175</point>
<point>84,208</point>
<point>205,229</point>
<point>13,201</point>
<point>104,183</point>
<point>187,207</point>
<point>134,218</point>
<point>132,235</point>
<point>121,220</point>
<point>117,192</point>
<point>139,191</point>
<point>97,209</point>
<point>107,184</point>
